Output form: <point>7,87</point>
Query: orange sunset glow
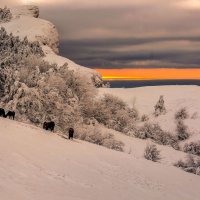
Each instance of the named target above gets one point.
<point>150,74</point>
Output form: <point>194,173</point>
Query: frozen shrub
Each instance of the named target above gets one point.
<point>154,132</point>
<point>181,114</point>
<point>112,143</point>
<point>94,135</point>
<point>191,165</point>
<point>152,153</point>
<point>115,113</point>
<point>97,81</point>
<point>192,148</point>
<point>29,76</point>
<point>182,131</point>
<point>33,61</point>
<point>57,82</point>
<point>160,107</point>
<point>5,15</point>
<point>144,118</point>
<point>113,103</point>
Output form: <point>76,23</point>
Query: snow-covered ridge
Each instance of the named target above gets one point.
<point>25,22</point>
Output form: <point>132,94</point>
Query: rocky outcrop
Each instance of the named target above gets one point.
<point>25,24</point>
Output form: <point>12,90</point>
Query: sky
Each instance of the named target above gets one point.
<point>126,35</point>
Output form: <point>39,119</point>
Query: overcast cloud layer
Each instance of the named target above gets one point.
<point>135,33</point>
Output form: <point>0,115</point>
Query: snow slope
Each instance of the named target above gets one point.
<point>35,164</point>
<point>135,147</point>
<point>176,97</point>
<point>26,23</point>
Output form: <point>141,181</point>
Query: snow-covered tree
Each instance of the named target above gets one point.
<point>182,131</point>
<point>160,107</point>
<point>181,114</point>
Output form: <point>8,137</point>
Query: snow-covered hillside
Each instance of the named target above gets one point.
<point>36,164</point>
<point>25,22</point>
<point>145,98</point>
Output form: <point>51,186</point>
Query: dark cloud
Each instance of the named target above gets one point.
<point>153,34</point>
<point>103,54</point>
<point>128,33</point>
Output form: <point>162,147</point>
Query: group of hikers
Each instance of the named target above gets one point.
<point>46,125</point>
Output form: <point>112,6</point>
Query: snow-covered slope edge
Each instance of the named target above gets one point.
<point>25,22</point>
<point>38,165</point>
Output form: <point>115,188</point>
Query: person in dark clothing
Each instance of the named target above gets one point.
<point>71,133</point>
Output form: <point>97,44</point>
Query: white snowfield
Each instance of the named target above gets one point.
<point>25,23</point>
<point>38,165</point>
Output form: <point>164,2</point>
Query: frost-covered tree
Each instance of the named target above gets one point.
<point>5,15</point>
<point>160,107</point>
<point>182,131</point>
<point>119,116</point>
<point>181,114</point>
<point>152,153</point>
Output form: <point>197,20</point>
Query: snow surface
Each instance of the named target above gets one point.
<point>35,164</point>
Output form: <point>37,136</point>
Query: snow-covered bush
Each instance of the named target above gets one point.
<point>182,131</point>
<point>191,165</point>
<point>154,132</point>
<point>109,111</point>
<point>144,118</point>
<point>152,153</point>
<point>192,148</point>
<point>160,107</point>
<point>94,135</point>
<point>5,15</point>
<point>116,112</point>
<point>33,61</point>
<point>98,82</point>
<point>181,114</point>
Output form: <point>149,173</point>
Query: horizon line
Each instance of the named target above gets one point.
<point>150,74</point>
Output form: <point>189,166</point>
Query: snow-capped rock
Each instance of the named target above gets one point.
<point>32,11</point>
<point>25,23</point>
